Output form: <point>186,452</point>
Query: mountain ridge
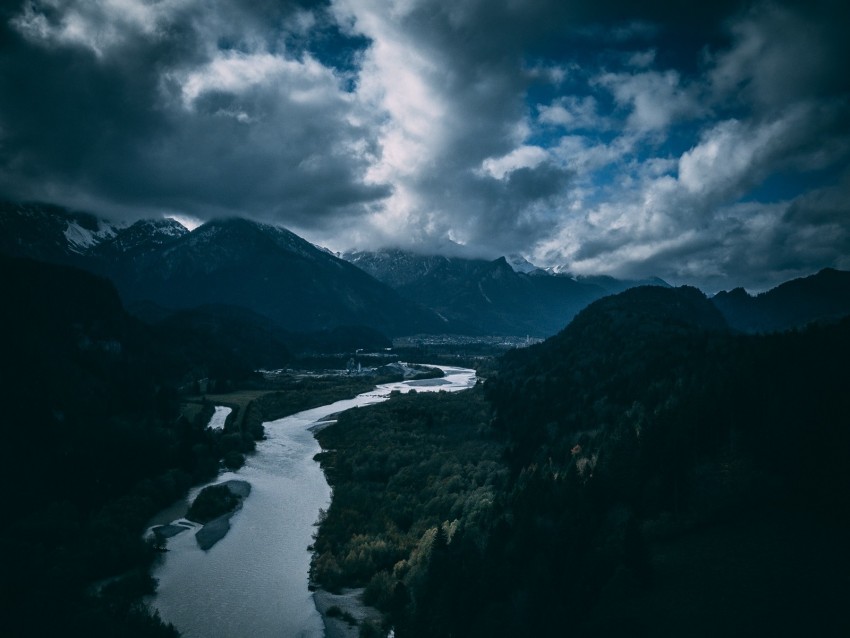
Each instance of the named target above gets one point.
<point>508,295</point>
<point>233,261</point>
<point>823,296</point>
<point>274,272</point>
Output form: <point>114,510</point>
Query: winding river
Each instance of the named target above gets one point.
<point>254,581</point>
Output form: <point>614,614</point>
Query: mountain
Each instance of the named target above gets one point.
<point>92,419</point>
<point>521,264</point>
<point>144,236</point>
<point>270,271</point>
<point>396,267</point>
<point>252,339</point>
<point>235,262</point>
<point>51,233</point>
<point>490,297</point>
<point>662,467</point>
<point>599,350</point>
<point>612,286</point>
<point>824,296</point>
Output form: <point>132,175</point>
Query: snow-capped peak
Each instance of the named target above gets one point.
<point>560,269</point>
<point>81,239</point>
<point>520,263</point>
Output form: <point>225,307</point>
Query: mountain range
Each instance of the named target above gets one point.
<point>264,269</point>
<point>490,297</point>
<point>257,270</point>
<point>824,296</point>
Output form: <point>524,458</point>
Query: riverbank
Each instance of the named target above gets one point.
<point>255,582</point>
<point>399,471</point>
<point>344,613</point>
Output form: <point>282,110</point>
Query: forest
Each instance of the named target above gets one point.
<point>96,441</point>
<point>648,472</point>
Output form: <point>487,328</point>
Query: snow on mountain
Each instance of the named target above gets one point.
<point>142,236</point>
<point>521,264</point>
<point>51,233</point>
<point>559,269</point>
<point>83,238</point>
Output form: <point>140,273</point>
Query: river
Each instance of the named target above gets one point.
<point>254,581</point>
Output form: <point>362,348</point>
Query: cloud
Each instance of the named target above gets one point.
<point>521,157</point>
<point>698,143</point>
<point>783,53</point>
<point>136,108</point>
<point>729,158</point>
<point>642,59</point>
<point>452,81</point>
<point>234,72</point>
<point>656,99</point>
<point>572,112</point>
<point>97,26</point>
<point>684,220</point>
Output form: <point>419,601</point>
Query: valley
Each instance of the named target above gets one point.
<point>255,579</point>
<point>555,477</point>
<point>424,319</point>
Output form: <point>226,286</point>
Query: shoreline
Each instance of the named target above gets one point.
<point>350,605</point>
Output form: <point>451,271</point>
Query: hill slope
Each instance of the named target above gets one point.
<point>648,441</point>
<point>824,296</point>
<point>270,271</point>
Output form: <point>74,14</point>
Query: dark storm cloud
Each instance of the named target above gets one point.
<point>781,54</point>
<point>705,143</point>
<point>180,109</point>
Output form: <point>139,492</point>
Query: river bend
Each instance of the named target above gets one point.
<point>254,581</point>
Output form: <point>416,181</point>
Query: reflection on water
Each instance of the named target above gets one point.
<point>254,581</point>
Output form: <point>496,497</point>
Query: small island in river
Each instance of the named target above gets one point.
<point>213,507</point>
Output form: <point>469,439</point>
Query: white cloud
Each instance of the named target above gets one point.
<point>510,126</point>
<point>304,81</point>
<point>572,112</point>
<point>233,72</point>
<point>453,118</point>
<point>551,73</point>
<point>656,99</point>
<point>585,155</point>
<point>729,157</point>
<point>399,81</point>
<point>688,225</point>
<point>522,157</point>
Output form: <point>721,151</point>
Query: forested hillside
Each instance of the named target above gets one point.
<point>93,444</point>
<point>666,477</point>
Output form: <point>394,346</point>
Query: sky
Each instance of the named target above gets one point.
<point>706,143</point>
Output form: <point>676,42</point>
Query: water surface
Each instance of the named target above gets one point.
<point>254,581</point>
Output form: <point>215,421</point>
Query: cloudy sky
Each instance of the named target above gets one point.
<point>706,143</point>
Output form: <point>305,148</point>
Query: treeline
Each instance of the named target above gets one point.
<point>665,477</point>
